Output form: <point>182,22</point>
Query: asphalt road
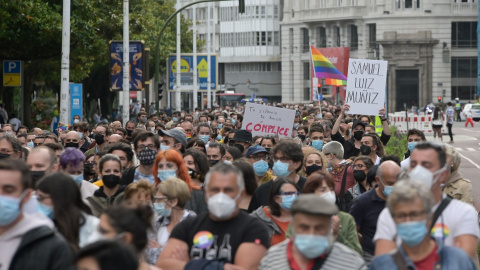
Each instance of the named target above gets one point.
<point>467,143</point>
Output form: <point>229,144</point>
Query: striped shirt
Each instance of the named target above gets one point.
<point>339,257</point>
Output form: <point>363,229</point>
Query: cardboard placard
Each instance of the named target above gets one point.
<point>263,120</point>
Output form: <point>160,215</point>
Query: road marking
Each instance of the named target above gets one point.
<point>471,161</point>
<point>476,131</point>
<point>458,149</point>
<point>471,149</point>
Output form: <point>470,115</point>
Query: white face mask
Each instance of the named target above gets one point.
<point>420,173</point>
<point>221,205</point>
<point>329,196</point>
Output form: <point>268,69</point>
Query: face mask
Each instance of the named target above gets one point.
<point>9,209</point>
<point>175,119</point>
<point>204,138</point>
<point>359,175</point>
<point>260,167</point>
<point>295,126</point>
<point>412,232</point>
<point>358,135</point>
<point>420,173</point>
<point>193,174</point>
<point>268,149</point>
<point>99,138</point>
<point>164,147</point>
<point>77,178</point>
<point>302,137</point>
<point>36,175</point>
<point>152,129</point>
<point>88,169</point>
<point>165,174</point>
<point>45,210</point>
<point>317,144</point>
<point>30,144</point>
<point>287,201</point>
<point>143,120</point>
<point>312,168</point>
<point>3,156</point>
<point>310,245</point>
<point>161,211</point>
<point>221,205</point>
<point>71,144</point>
<point>76,121</point>
<point>329,196</point>
<point>411,145</point>
<point>111,180</point>
<point>129,132</point>
<point>233,121</point>
<point>147,156</point>
<point>365,150</point>
<point>281,169</point>
<point>220,126</point>
<point>212,162</point>
<point>219,137</point>
<point>387,190</point>
<point>80,134</point>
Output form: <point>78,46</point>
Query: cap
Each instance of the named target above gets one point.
<point>255,150</point>
<point>176,134</point>
<point>313,205</point>
<point>358,122</point>
<point>242,135</point>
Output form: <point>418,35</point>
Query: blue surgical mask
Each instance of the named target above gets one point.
<point>80,134</point>
<point>77,178</point>
<point>220,126</point>
<point>260,167</point>
<point>45,209</point>
<point>412,232</point>
<point>161,211</point>
<point>411,145</point>
<point>219,137</point>
<point>9,209</point>
<point>204,138</point>
<point>164,174</point>
<point>30,144</point>
<point>287,201</point>
<point>281,169</point>
<point>175,119</point>
<point>317,144</point>
<point>164,147</point>
<point>233,121</point>
<point>310,245</point>
<point>295,125</point>
<point>387,190</point>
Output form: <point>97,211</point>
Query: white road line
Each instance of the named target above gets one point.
<point>476,131</point>
<point>471,161</point>
<point>471,149</point>
<point>458,149</point>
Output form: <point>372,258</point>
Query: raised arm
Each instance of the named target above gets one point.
<point>383,116</point>
<point>336,127</point>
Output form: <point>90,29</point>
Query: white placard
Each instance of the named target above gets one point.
<point>263,120</point>
<point>366,83</point>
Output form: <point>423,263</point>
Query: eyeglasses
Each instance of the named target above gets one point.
<point>257,158</point>
<point>414,215</point>
<point>150,146</point>
<point>290,193</point>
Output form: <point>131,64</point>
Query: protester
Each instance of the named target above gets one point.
<point>242,140</point>
<point>414,136</point>
<point>351,147</point>
<point>258,157</point>
<point>314,161</point>
<point>361,166</point>
<point>10,147</point>
<point>102,133</point>
<point>232,154</point>
<point>340,169</point>
<point>41,161</point>
<point>124,152</point>
<point>455,185</point>
<point>197,164</point>
<point>215,152</point>
<point>146,145</point>
<point>139,193</point>
<point>450,114</point>
<point>372,147</point>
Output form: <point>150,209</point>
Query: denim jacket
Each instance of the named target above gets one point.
<point>450,258</point>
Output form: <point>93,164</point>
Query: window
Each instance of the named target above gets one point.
<point>276,38</point>
<point>306,40</point>
<point>372,35</point>
<point>464,34</point>
<point>464,92</point>
<point>269,38</point>
<point>264,38</point>
<point>321,37</point>
<point>353,37</point>
<point>408,3</point>
<point>290,39</point>
<point>464,67</point>
<point>275,12</point>
<point>262,12</point>
<point>306,70</point>
<point>397,4</point>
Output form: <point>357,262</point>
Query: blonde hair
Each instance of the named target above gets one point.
<point>175,188</point>
<point>142,185</point>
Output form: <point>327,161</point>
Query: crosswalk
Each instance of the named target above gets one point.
<point>468,149</point>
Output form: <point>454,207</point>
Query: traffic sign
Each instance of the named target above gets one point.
<point>12,73</point>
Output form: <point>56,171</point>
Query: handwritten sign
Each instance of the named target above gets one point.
<point>366,86</point>
<point>263,120</point>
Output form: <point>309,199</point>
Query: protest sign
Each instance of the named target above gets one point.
<point>366,82</point>
<point>263,120</point>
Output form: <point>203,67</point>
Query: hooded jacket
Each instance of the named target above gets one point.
<point>458,188</point>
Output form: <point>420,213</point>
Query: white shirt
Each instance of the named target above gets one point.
<point>458,218</point>
<point>405,164</point>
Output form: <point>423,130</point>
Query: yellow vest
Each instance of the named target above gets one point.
<point>378,125</point>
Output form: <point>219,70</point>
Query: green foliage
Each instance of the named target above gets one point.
<point>43,110</point>
<point>397,145</point>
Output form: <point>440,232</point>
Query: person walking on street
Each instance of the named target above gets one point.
<point>449,113</point>
<point>469,117</point>
<point>437,123</point>
<point>458,108</point>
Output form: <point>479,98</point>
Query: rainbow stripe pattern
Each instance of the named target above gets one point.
<point>335,82</point>
<point>323,68</point>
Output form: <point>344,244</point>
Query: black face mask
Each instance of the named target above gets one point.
<point>302,137</point>
<point>359,175</point>
<point>99,138</point>
<point>193,174</point>
<point>213,162</point>
<point>268,149</point>
<point>129,132</point>
<point>111,180</point>
<point>2,156</point>
<point>88,169</point>
<point>312,168</point>
<point>365,150</point>
<point>36,175</point>
<point>358,135</point>
<point>91,136</point>
<point>240,147</point>
<point>72,144</point>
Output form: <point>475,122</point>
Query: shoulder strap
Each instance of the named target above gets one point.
<point>439,210</point>
<point>399,260</point>
<point>344,181</point>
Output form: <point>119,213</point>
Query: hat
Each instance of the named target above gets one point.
<point>255,150</point>
<point>176,134</point>
<point>242,135</point>
<point>313,205</point>
<point>358,122</point>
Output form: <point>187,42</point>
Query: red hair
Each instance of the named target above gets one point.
<point>173,156</point>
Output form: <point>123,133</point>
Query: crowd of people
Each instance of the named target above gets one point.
<point>196,191</point>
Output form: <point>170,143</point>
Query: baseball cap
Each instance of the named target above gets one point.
<point>255,150</point>
<point>176,134</point>
<point>313,205</point>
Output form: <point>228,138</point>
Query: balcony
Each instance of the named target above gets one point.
<point>330,14</point>
<point>463,7</point>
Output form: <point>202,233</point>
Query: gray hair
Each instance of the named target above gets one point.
<point>334,148</point>
<point>224,168</point>
<point>455,159</point>
<point>407,191</point>
<point>16,145</point>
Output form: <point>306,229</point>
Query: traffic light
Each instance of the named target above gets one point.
<point>440,99</point>
<point>160,90</point>
<point>241,6</point>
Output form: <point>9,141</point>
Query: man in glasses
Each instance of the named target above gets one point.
<point>258,157</point>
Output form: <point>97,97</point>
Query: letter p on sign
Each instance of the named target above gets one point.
<point>12,71</point>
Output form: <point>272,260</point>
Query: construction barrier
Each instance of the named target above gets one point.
<point>420,122</point>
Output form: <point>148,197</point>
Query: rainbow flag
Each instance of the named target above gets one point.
<point>335,82</point>
<point>323,68</point>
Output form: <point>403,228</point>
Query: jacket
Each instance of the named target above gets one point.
<point>459,188</point>
<point>268,222</point>
<point>100,201</point>
<point>42,248</point>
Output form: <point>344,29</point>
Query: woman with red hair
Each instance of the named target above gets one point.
<point>170,163</point>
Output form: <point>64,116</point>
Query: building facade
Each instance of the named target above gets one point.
<point>430,45</point>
